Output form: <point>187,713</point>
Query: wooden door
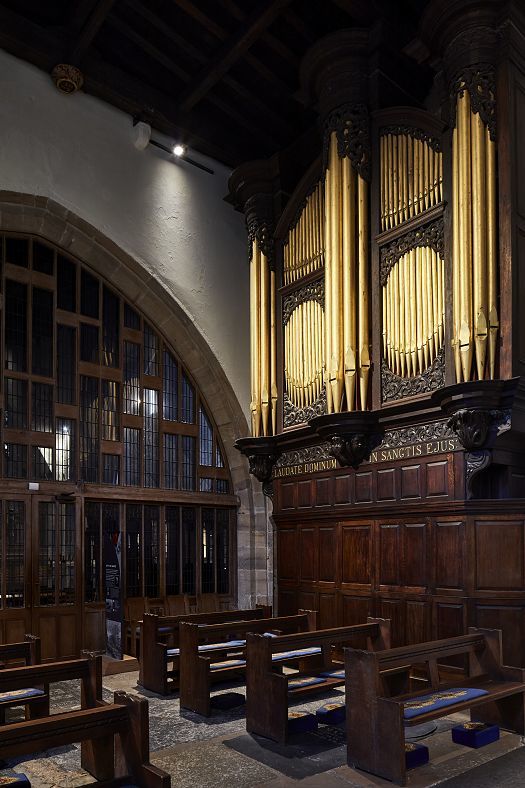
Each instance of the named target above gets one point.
<point>56,611</point>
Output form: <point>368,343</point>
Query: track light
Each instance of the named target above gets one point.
<point>179,150</point>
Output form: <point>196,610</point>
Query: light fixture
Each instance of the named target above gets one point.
<point>142,138</point>
<point>178,150</point>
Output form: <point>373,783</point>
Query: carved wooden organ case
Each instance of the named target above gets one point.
<point>387,336</point>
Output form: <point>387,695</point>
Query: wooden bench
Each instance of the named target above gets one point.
<point>215,652</point>
<point>380,696</point>
<point>160,651</point>
<point>35,699</point>
<point>268,691</point>
<point>114,737</point>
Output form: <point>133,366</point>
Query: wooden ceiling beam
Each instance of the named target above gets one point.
<point>90,29</point>
<point>360,11</point>
<point>232,50</point>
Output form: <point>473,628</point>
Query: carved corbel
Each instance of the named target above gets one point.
<point>352,450</point>
<point>472,426</point>
<point>475,462</point>
<point>350,437</point>
<point>261,466</point>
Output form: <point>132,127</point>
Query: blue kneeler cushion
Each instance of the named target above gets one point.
<point>21,695</point>
<point>440,700</point>
<point>230,644</point>
<point>333,674</point>
<point>331,713</point>
<point>302,652</point>
<point>475,734</point>
<point>228,663</point>
<point>301,722</point>
<point>415,755</point>
<point>304,681</point>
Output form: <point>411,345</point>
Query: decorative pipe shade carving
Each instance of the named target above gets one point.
<point>413,311</point>
<point>474,241</point>
<point>303,353</point>
<point>411,175</point>
<point>303,252</point>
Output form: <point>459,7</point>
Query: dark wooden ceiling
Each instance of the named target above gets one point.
<point>222,76</point>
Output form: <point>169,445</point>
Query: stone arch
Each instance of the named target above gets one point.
<point>44,217</point>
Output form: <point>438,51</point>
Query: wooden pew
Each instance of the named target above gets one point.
<point>134,608</point>
<point>159,651</point>
<point>34,698</point>
<point>268,691</point>
<point>114,737</point>
<point>381,696</point>
<point>215,652</point>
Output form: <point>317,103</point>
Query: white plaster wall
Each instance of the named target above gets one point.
<point>170,217</point>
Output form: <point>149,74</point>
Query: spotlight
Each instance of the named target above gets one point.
<point>179,150</point>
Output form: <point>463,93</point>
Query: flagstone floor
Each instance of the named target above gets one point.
<point>217,751</point>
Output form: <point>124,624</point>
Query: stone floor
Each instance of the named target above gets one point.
<point>205,753</point>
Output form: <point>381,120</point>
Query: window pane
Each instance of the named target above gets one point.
<point>151,438</point>
<point>89,343</point>
<point>66,284</point>
<point>42,463</point>
<point>131,318</point>
<point>42,407</point>
<point>66,364</point>
<point>151,551</point>
<point>47,552</point>
<point>133,563</point>
<point>66,521</point>
<point>205,439</point>
<point>15,326</point>
<point>188,463</point>
<point>110,410</point>
<point>223,551</point>
<point>42,332</point>
<point>131,403</point>
<point>17,252</point>
<point>151,351</point>
<point>89,429</point>
<point>131,457</point>
<point>110,328</point>
<point>222,486</point>
<point>92,552</point>
<point>172,550</point>
<point>170,462</point>
<point>219,462</point>
<point>43,258</point>
<point>15,554</point>
<point>15,414</point>
<point>169,388</point>
<point>111,468</point>
<point>89,294</point>
<point>189,531</point>
<point>65,450</point>
<point>15,461</point>
<point>188,401</point>
<point>208,551</point>
<point>205,484</point>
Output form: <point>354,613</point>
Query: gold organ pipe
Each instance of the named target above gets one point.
<point>265,343</point>
<point>405,262</point>
<point>336,371</point>
<point>255,339</point>
<point>389,181</point>
<point>435,303</point>
<point>456,263</point>
<point>410,175</point>
<point>413,310</point>
<point>465,234</point>
<point>419,326</point>
<point>382,178</point>
<point>401,296</point>
<point>431,315</point>
<point>391,355</point>
<point>490,148</point>
<point>395,182</point>
<point>426,175</point>
<point>404,175</point>
<point>285,263</point>
<point>395,301</point>
<point>273,354</point>
<point>308,347</point>
<point>479,240</point>
<point>328,286</point>
<point>349,279</point>
<point>363,327</point>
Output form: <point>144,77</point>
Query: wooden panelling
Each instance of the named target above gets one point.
<point>328,549</point>
<point>363,487</point>
<point>287,495</point>
<point>511,620</point>
<point>450,618</point>
<point>323,491</point>
<point>437,478</point>
<point>94,621</point>
<point>304,494</point>
<point>498,546</point>
<point>394,610</point>
<point>449,555</point>
<point>357,554</point>
<point>386,484</point>
<point>410,482</point>
<point>287,602</point>
<point>342,489</point>
<point>327,611</point>
<point>418,621</point>
<point>307,600</point>
<point>14,629</point>
<point>415,556</point>
<point>287,554</point>
<point>355,609</point>
<point>307,553</point>
<point>389,555</point>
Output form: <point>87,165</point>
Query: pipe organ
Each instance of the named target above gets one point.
<point>395,455</point>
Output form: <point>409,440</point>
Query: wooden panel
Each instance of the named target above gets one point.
<point>14,629</point>
<point>449,619</point>
<point>437,478</point>
<point>307,553</point>
<point>327,611</point>
<point>342,489</point>
<point>94,635</point>
<point>394,610</point>
<point>449,555</point>
<point>418,621</point>
<point>511,621</point>
<point>307,600</point>
<point>357,554</point>
<point>48,631</point>
<point>304,494</point>
<point>386,484</point>
<point>287,602</point>
<point>323,492</point>
<point>499,555</point>
<point>355,609</point>
<point>287,554</point>
<point>67,635</point>
<point>415,556</point>
<point>410,482</point>
<point>327,554</point>
<point>287,495</point>
<point>389,555</point>
<point>363,487</point>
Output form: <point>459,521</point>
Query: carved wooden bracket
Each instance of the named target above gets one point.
<point>472,426</point>
<point>350,436</point>
<point>354,448</point>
